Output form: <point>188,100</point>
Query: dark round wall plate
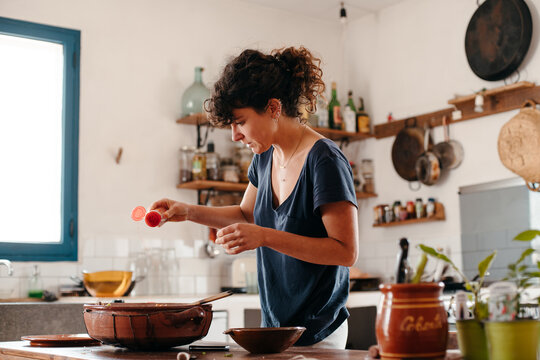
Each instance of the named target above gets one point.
<point>498,37</point>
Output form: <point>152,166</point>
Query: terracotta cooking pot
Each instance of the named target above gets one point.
<point>147,325</point>
<point>411,321</point>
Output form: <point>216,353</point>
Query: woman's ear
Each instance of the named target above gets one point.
<point>274,108</point>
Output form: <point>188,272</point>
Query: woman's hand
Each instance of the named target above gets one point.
<point>171,210</point>
<point>237,238</point>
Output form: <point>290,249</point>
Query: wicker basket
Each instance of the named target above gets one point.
<point>519,144</point>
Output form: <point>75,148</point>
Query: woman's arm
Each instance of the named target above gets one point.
<point>339,248</point>
<point>216,217</point>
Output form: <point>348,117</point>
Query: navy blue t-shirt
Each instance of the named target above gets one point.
<point>295,292</point>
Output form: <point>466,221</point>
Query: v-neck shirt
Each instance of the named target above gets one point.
<point>295,292</point>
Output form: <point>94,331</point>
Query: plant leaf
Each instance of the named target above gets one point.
<point>484,265</point>
<point>431,251</point>
<point>420,269</point>
<point>527,235</point>
<point>524,254</point>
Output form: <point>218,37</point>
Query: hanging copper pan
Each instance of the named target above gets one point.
<point>498,37</point>
<point>408,146</point>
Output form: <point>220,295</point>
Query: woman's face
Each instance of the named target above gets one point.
<point>253,129</point>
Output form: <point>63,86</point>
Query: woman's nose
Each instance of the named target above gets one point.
<point>236,135</point>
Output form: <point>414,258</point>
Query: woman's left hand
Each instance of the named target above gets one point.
<point>237,238</point>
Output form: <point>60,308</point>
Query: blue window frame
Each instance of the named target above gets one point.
<point>64,248</point>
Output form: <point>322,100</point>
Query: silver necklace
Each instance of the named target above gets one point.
<point>284,166</point>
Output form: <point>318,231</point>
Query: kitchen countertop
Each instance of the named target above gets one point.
<point>234,305</point>
<point>19,350</point>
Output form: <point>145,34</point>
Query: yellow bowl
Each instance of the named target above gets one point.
<point>107,283</point>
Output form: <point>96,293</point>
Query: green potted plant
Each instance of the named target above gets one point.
<point>517,338</point>
<point>471,334</point>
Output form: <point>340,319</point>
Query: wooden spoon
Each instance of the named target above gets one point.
<point>212,298</point>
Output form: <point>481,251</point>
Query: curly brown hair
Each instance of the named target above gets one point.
<point>292,75</point>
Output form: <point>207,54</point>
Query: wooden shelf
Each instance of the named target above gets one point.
<point>497,100</point>
<point>337,135</point>
<point>439,216</point>
<point>364,195</point>
<point>213,185</point>
<point>332,134</point>
<point>195,119</point>
<point>507,88</point>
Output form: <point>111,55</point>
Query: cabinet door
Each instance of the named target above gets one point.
<point>220,323</point>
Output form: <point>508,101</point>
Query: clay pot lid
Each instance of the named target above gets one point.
<point>61,340</point>
<point>143,306</point>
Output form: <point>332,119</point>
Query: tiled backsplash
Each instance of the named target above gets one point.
<point>192,272</point>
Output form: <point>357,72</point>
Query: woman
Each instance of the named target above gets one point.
<point>299,210</point>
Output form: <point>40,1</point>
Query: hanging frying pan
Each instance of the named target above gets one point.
<point>408,146</point>
<point>497,38</point>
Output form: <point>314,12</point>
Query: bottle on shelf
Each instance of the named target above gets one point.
<point>212,163</point>
<point>198,169</point>
<point>362,118</point>
<point>195,95</point>
<point>403,269</point>
<point>322,113</point>
<point>349,117</point>
<point>350,101</point>
<point>334,113</point>
<point>35,284</point>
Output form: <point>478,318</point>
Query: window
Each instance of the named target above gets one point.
<point>39,129</point>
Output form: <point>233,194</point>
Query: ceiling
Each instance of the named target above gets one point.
<point>327,9</point>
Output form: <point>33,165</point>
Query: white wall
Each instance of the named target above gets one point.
<point>410,59</point>
<point>137,58</point>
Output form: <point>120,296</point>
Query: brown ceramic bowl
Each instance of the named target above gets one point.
<point>107,283</point>
<point>265,340</point>
<point>148,326</point>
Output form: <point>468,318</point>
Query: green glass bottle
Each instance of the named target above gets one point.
<point>334,120</point>
<point>350,102</point>
<point>195,95</point>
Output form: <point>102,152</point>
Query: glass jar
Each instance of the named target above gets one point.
<point>212,163</point>
<point>186,163</point>
<point>195,95</point>
<point>198,168</point>
<point>245,160</point>
<point>230,173</point>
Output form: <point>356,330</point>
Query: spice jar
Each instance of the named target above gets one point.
<point>388,214</point>
<point>367,175</point>
<point>430,207</point>
<point>186,163</point>
<point>419,208</point>
<point>198,168</point>
<point>411,211</point>
<point>397,209</point>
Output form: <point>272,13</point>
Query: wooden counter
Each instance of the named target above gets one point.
<point>19,350</point>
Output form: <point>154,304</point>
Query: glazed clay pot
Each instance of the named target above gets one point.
<point>411,321</point>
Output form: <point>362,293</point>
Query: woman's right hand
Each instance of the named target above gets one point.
<point>171,210</point>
